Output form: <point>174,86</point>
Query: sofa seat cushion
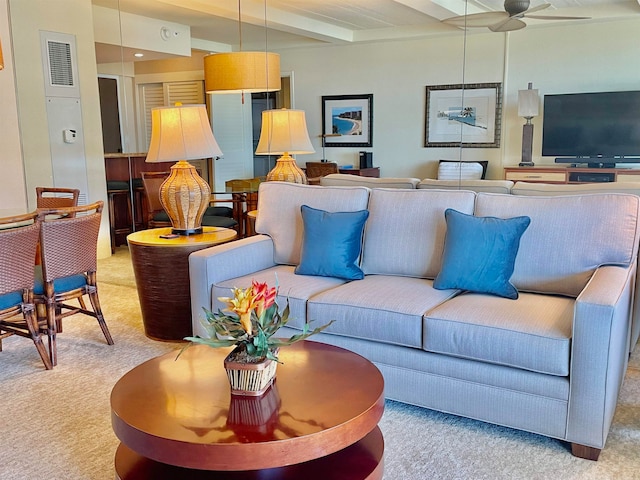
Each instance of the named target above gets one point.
<point>532,333</point>
<point>298,288</point>
<point>379,308</point>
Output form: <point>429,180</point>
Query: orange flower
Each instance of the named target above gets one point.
<point>264,296</point>
<point>242,303</point>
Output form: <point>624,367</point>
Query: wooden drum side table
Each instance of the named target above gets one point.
<point>161,269</point>
<point>319,420</point>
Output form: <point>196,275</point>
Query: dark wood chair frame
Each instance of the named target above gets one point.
<point>68,246</point>
<point>18,244</point>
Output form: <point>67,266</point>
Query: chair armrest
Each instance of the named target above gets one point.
<point>599,353</point>
<point>223,262</point>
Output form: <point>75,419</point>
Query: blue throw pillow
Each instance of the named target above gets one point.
<point>480,253</point>
<point>331,243</point>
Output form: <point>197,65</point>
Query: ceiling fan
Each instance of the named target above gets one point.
<point>508,20</point>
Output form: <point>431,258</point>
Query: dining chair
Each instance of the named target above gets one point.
<point>55,197</point>
<point>156,216</point>
<point>18,241</point>
<point>68,248</point>
<point>214,216</point>
<point>317,170</point>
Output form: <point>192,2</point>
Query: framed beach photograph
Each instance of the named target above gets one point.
<point>347,120</point>
<point>467,115</point>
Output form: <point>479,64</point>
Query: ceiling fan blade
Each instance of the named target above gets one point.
<point>549,17</point>
<point>536,9</point>
<point>477,19</point>
<point>508,25</point>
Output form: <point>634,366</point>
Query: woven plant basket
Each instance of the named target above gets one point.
<point>251,379</point>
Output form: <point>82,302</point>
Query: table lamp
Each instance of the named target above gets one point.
<point>179,134</point>
<point>284,132</point>
<point>528,102</point>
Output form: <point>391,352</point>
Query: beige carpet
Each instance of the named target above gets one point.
<point>56,424</point>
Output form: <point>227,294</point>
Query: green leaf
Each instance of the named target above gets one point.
<point>212,342</point>
<point>282,342</point>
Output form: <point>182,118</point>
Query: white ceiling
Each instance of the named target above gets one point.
<point>214,23</point>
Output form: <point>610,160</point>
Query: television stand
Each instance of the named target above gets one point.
<point>590,162</point>
<point>564,175</point>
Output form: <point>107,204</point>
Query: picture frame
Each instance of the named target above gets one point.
<point>467,115</point>
<point>347,120</point>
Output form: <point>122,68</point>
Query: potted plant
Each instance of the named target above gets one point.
<point>249,322</point>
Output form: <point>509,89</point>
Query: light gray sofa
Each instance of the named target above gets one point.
<point>504,186</point>
<point>550,362</point>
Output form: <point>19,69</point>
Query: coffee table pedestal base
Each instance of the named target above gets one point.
<point>362,460</point>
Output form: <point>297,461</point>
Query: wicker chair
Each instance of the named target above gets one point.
<point>156,216</point>
<point>17,251</point>
<point>214,216</point>
<point>317,170</point>
<point>52,197</point>
<point>68,244</point>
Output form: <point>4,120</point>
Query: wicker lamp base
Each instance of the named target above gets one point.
<point>185,197</point>
<point>286,170</point>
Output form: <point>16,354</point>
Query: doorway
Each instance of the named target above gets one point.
<point>110,115</point>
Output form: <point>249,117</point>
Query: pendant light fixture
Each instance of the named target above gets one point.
<point>242,72</point>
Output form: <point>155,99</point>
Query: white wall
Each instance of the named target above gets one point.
<point>13,199</point>
<point>64,16</point>
<point>558,58</point>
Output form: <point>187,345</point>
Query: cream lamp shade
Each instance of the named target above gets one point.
<point>242,72</point>
<point>284,132</point>
<point>179,134</point>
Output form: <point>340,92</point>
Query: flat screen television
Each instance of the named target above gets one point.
<point>596,127</point>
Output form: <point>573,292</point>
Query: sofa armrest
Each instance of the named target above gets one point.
<point>599,353</point>
<point>223,262</point>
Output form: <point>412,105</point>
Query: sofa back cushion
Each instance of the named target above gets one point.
<point>347,180</point>
<point>489,186</point>
<point>406,229</point>
<point>279,212</point>
<point>530,188</point>
<point>568,238</point>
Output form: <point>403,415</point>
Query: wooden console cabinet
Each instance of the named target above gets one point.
<point>362,172</point>
<point>565,175</point>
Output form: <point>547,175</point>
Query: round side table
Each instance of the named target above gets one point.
<point>161,269</point>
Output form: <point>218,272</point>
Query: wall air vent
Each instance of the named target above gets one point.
<point>59,64</point>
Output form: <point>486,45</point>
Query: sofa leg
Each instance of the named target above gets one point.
<point>582,451</point>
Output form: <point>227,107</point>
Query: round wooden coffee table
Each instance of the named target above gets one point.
<point>178,418</point>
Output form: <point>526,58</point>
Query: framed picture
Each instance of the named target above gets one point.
<point>347,120</point>
<point>468,115</point>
